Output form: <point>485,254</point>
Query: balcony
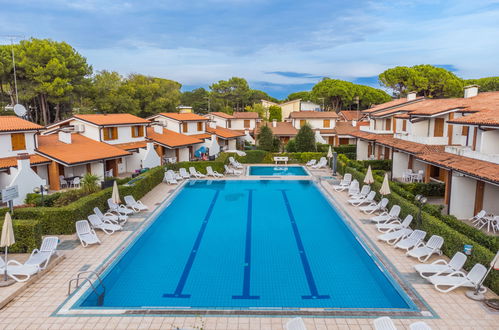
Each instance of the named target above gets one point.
<point>422,139</point>
<point>467,152</point>
<point>375,131</point>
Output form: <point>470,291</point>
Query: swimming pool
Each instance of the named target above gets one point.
<point>277,170</point>
<point>248,245</point>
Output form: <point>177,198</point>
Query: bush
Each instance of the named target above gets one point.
<point>426,189</point>
<point>266,140</point>
<point>90,183</point>
<point>347,148</point>
<point>305,139</point>
<point>36,199</point>
<point>28,235</point>
<point>378,164</point>
<point>291,146</point>
<point>253,157</point>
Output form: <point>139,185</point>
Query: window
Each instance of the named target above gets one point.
<point>302,123</point>
<point>388,124</point>
<point>110,133</point>
<point>18,141</point>
<point>439,127</point>
<point>185,128</point>
<point>465,130</point>
<point>327,123</point>
<point>246,123</point>
<point>404,125</point>
<point>200,126</point>
<point>229,124</point>
<point>137,131</point>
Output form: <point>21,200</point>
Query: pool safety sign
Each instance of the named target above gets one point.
<point>9,194</point>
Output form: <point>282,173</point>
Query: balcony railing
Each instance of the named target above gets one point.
<point>467,152</point>
<point>422,139</point>
<point>375,131</point>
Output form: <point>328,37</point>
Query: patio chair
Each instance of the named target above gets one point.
<point>344,183</point>
<point>118,208</point>
<point>195,173</point>
<point>457,279</point>
<point>170,178</point>
<point>375,207</point>
<point>419,176</point>
<point>86,235</point>
<point>63,183</point>
<point>76,183</point>
<point>441,266</point>
<point>295,324</point>
<point>387,217</point>
<point>109,173</point>
<point>321,164</point>
<point>231,171</point>
<point>395,225</point>
<point>41,257</point>
<point>478,217</point>
<point>490,222</point>
<point>212,173</point>
<point>18,271</point>
<point>394,236</point>
<point>115,218</point>
<point>234,163</point>
<point>353,189</point>
<point>384,323</point>
<point>183,173</point>
<point>135,205</point>
<point>423,251</point>
<point>311,162</point>
<point>406,176</point>
<point>367,200</point>
<point>412,240</point>
<point>106,226</point>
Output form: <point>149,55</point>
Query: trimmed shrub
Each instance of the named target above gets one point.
<point>28,235</point>
<point>426,189</point>
<point>379,164</point>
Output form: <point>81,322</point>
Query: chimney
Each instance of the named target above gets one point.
<point>411,96</point>
<point>213,137</point>
<point>149,146</point>
<point>65,137</point>
<point>213,124</point>
<point>158,129</point>
<point>23,161</point>
<point>470,91</point>
<point>274,122</point>
<point>354,123</point>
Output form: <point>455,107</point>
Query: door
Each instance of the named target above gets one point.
<point>388,124</point>
<point>344,141</point>
<point>439,127</point>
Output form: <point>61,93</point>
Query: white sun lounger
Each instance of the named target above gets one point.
<point>119,209</point>
<point>423,251</point>
<point>41,257</point>
<point>344,183</point>
<point>86,235</point>
<point>106,226</point>
<point>375,207</point>
<point>235,163</point>
<point>195,173</point>
<point>116,218</point>
<point>360,201</point>
<point>387,217</point>
<point>394,225</point>
<point>321,164</point>
<point>183,173</point>
<point>353,189</point>
<point>395,236</point>
<point>384,323</point>
<point>295,324</point>
<point>447,283</point>
<point>441,266</point>
<point>363,192</point>
<point>420,325</point>
<point>211,172</point>
<point>231,171</point>
<point>170,177</point>
<point>311,162</point>
<point>18,271</point>
<point>412,240</point>
<point>137,206</point>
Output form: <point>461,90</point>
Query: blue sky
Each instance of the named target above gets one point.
<point>278,46</point>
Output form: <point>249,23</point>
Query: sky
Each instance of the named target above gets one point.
<point>278,46</point>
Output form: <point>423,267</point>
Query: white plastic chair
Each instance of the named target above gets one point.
<point>395,225</point>
<point>119,209</point>
<point>375,207</point>
<point>19,272</point>
<point>395,236</point>
<point>41,257</point>
<point>311,162</point>
<point>86,235</point>
<point>353,189</point>
<point>231,171</point>
<point>170,178</point>
<point>115,218</point>
<point>412,240</point>
<point>63,183</point>
<point>344,183</point>
<point>212,173</point>
<point>76,182</point>
<point>441,266</point>
<point>457,279</point>
<point>387,217</point>
<point>106,226</point>
<point>183,173</point>
<point>195,173</point>
<point>360,201</point>
<point>135,205</point>
<point>423,251</point>
<point>384,323</point>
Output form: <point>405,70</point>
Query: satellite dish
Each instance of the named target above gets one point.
<point>20,110</point>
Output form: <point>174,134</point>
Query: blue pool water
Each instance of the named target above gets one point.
<point>277,170</point>
<point>241,244</point>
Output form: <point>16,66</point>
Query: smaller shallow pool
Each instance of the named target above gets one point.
<point>277,170</point>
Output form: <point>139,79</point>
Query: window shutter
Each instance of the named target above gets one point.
<point>132,130</point>
<point>404,125</point>
<point>18,141</point>
<point>105,130</point>
<point>115,133</point>
<point>327,123</point>
<point>141,130</point>
<point>465,130</point>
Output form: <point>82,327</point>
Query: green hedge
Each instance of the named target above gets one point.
<point>484,246</point>
<point>378,164</point>
<point>426,189</point>
<point>28,235</point>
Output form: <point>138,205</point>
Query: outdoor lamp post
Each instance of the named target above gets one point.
<point>41,190</point>
<point>421,200</point>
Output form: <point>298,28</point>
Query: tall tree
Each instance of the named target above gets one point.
<point>197,99</point>
<point>487,84</point>
<point>233,93</point>
<point>337,94</point>
<point>266,140</point>
<point>275,112</point>
<point>305,139</point>
<point>305,96</point>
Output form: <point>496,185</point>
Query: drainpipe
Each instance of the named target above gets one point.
<point>449,183</point>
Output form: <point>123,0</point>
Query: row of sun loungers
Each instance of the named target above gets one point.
<point>381,323</point>
<point>445,276</point>
<point>314,164</point>
<point>172,177</point>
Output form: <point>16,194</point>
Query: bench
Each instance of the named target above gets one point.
<point>281,159</point>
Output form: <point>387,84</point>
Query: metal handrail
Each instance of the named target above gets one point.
<point>87,278</point>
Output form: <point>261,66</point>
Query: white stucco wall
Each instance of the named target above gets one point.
<point>90,131</point>
<point>43,172</point>
<point>97,168</point>
<point>232,144</point>
<point>4,179</point>
<point>362,148</point>
<point>26,180</point>
<point>491,198</point>
<point>132,162</point>
<point>418,165</point>
<point>6,145</point>
<point>400,164</point>
<point>239,124</point>
<point>419,128</point>
<point>219,121</point>
<point>315,123</point>
<point>183,155</point>
<point>462,199</point>
<point>149,156</point>
<point>489,143</point>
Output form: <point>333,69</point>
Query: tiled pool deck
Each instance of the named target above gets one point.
<point>37,306</point>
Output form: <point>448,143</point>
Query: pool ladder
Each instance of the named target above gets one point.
<point>87,276</point>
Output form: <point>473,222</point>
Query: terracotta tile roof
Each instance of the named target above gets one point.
<point>13,123</point>
<point>488,118</point>
<point>80,150</point>
<point>365,135</point>
<point>245,115</point>
<point>390,104</point>
<point>313,114</point>
<point>183,116</point>
<point>225,133</point>
<point>12,161</point>
<point>172,139</point>
<point>345,128</point>
<point>389,112</point>
<point>350,115</point>
<point>131,145</point>
<point>222,115</point>
<point>281,129</point>
<point>112,119</point>
<point>474,167</point>
<point>201,136</point>
<point>408,146</point>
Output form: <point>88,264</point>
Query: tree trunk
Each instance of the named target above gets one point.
<point>57,112</point>
<point>43,106</point>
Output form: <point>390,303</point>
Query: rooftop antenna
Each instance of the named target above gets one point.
<point>19,109</point>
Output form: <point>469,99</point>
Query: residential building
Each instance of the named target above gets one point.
<point>283,130</point>
<point>293,106</point>
<point>351,115</point>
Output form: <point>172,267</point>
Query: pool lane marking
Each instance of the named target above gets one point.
<point>314,293</point>
<point>192,256</point>
<point>247,253</point>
